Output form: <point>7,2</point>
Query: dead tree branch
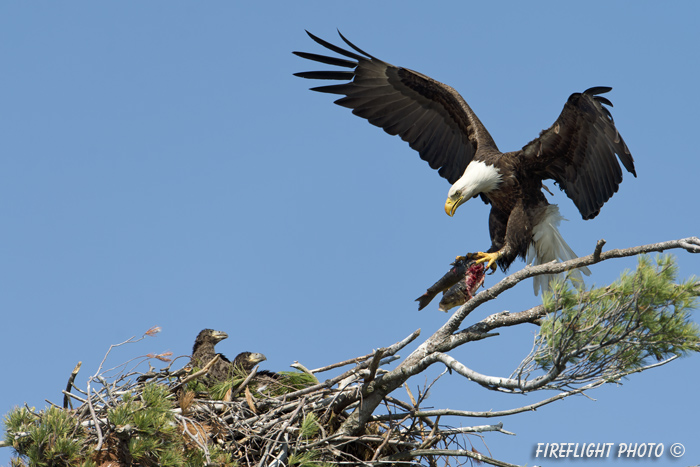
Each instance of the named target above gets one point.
<point>434,348</point>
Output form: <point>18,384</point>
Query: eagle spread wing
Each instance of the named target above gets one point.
<point>430,116</point>
<point>578,152</point>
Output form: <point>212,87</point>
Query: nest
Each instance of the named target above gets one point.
<point>168,417</point>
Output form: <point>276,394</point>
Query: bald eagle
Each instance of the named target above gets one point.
<point>203,351</point>
<point>578,152</point>
<point>245,361</point>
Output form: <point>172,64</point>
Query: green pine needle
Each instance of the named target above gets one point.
<point>644,314</point>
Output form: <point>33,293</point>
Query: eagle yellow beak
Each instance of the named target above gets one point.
<point>451,205</point>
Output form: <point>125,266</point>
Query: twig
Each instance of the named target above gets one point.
<point>374,364</point>
<point>305,370</point>
<point>68,394</point>
<point>448,452</point>
<point>343,363</point>
<point>477,429</point>
<point>245,382</point>
<point>598,249</point>
<point>387,437</point>
<point>391,350</point>
<point>199,373</point>
<point>526,408</point>
<point>98,447</point>
<point>282,430</point>
<point>192,436</point>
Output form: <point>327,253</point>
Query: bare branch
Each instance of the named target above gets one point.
<point>451,453</point>
<point>201,372</point>
<point>526,408</point>
<point>303,369</point>
<point>245,382</point>
<point>690,244</point>
<point>67,394</point>
<point>445,339</point>
<point>374,364</point>
<point>494,382</point>
<point>389,351</point>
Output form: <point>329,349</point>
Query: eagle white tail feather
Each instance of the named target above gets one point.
<point>548,245</point>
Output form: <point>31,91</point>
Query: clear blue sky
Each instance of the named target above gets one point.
<point>160,165</point>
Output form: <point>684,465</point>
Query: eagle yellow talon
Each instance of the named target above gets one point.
<point>488,258</point>
<point>467,257</point>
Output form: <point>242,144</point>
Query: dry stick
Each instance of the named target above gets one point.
<point>287,406</point>
<point>449,452</point>
<point>99,396</point>
<point>410,395</point>
<point>387,436</point>
<point>374,364</point>
<point>526,408</point>
<point>245,382</point>
<point>343,363</point>
<point>94,418</point>
<point>477,429</point>
<point>71,379</point>
<point>282,430</point>
<point>282,456</point>
<point>391,350</point>
<point>305,370</point>
<point>432,438</point>
<point>186,431</point>
<point>99,370</point>
<point>496,382</point>
<point>106,386</point>
<point>196,375</point>
<point>373,439</point>
<point>67,395</point>
<point>52,404</point>
<point>408,408</point>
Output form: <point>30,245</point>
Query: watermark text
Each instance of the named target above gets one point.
<point>606,450</point>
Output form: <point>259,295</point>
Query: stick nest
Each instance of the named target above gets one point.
<point>170,417</point>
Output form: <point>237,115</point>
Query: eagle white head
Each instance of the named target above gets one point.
<point>477,178</point>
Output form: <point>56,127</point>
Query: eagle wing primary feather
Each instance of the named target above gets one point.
<point>579,150</point>
<point>430,116</point>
